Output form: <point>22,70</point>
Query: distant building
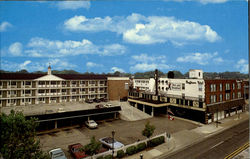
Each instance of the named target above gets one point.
<point>193,98</point>
<point>17,89</point>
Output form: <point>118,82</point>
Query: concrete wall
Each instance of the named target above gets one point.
<point>117,87</point>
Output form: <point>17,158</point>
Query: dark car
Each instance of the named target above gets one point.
<point>76,151</point>
<point>99,106</point>
<point>97,100</point>
<point>89,101</point>
<point>104,99</point>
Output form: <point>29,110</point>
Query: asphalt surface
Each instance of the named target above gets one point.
<point>217,146</point>
<point>127,132</point>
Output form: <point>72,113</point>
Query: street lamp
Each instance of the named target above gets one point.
<point>113,134</point>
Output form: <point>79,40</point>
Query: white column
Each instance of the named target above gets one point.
<point>152,113</point>
<point>55,124</point>
<point>143,107</point>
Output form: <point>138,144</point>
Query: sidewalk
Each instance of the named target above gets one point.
<point>182,139</point>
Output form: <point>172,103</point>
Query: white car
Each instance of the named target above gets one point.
<point>107,105</point>
<point>91,124</point>
<point>57,154</point>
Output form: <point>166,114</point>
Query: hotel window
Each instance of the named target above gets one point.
<point>239,85</point>
<point>227,86</point>
<point>233,86</point>
<point>162,88</point>
<point>166,82</point>
<point>221,97</point>
<point>227,96</point>
<point>213,87</point>
<point>183,86</point>
<point>221,87</point>
<point>239,94</point>
<point>27,83</point>
<point>13,83</point>
<point>200,87</point>
<point>212,98</point>
<point>233,95</point>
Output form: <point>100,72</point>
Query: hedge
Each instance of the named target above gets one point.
<point>141,146</point>
<point>120,154</point>
<point>131,150</point>
<point>156,141</point>
<point>108,157</point>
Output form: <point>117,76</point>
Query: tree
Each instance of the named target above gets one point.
<point>148,130</point>
<point>92,147</point>
<point>18,137</point>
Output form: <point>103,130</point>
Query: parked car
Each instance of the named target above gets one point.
<point>103,99</point>
<point>76,151</point>
<point>89,101</point>
<point>107,105</point>
<point>57,154</point>
<point>91,124</point>
<point>99,106</point>
<point>97,100</point>
<point>108,142</point>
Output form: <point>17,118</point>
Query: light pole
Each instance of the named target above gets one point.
<point>113,140</point>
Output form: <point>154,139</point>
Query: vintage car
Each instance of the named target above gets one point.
<point>77,151</point>
<point>108,142</point>
<point>91,124</point>
<point>57,154</point>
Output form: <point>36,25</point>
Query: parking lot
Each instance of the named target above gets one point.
<point>126,132</point>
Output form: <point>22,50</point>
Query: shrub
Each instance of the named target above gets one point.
<point>120,154</point>
<point>156,141</point>
<point>100,157</point>
<point>141,146</point>
<point>131,150</point>
<point>108,157</point>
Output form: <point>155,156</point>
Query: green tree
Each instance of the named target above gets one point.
<point>148,130</point>
<point>92,147</point>
<point>18,137</point>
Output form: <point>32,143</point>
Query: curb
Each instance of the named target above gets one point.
<point>200,140</point>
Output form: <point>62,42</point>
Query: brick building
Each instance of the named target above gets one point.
<point>118,87</point>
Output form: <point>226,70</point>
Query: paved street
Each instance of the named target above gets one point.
<point>127,132</point>
<point>218,146</point>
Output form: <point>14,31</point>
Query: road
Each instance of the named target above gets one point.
<point>217,146</point>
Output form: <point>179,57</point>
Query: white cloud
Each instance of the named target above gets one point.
<point>40,47</point>
<point>242,65</point>
<point>145,58</point>
<point>141,67</point>
<point>140,29</point>
<point>15,49</point>
<point>92,64</point>
<point>4,26</point>
<point>218,60</point>
<point>200,58</point>
<point>144,62</point>
<point>114,69</point>
<point>24,65</point>
<point>73,5</point>
<point>200,1</point>
<point>31,66</point>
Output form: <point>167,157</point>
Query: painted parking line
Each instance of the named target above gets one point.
<point>236,152</point>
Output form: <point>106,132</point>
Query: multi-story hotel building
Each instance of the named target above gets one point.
<point>193,98</point>
<point>17,89</point>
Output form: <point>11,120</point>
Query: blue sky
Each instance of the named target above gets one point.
<point>126,36</point>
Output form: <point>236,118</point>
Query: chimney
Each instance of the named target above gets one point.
<point>49,70</point>
<point>156,82</point>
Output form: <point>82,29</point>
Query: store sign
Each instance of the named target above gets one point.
<point>176,86</point>
<point>190,82</point>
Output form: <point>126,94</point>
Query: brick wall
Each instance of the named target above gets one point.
<point>116,88</point>
<point>217,92</point>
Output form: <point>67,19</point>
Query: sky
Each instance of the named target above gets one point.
<point>124,35</point>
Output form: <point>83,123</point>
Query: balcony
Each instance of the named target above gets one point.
<point>53,101</point>
<point>73,85</point>
<point>14,86</point>
<point>64,93</point>
<point>27,95</point>
<point>13,95</point>
<point>73,92</point>
<point>41,94</point>
<point>27,86</point>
